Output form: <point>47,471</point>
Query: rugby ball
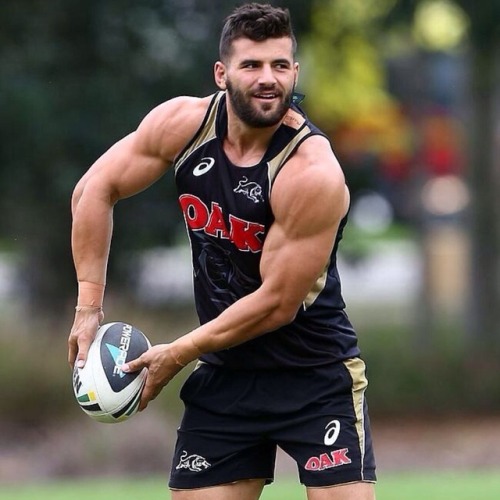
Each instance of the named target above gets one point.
<point>102,389</point>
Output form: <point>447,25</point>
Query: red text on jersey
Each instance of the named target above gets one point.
<point>244,234</point>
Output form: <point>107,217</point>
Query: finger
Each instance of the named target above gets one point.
<point>148,394</point>
<point>144,402</point>
<point>72,352</point>
<point>82,334</point>
<point>134,365</point>
<point>83,349</point>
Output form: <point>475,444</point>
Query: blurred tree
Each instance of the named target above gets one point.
<point>345,79</point>
<point>75,77</point>
<point>344,65</point>
<point>484,50</point>
<point>485,165</point>
<point>345,56</point>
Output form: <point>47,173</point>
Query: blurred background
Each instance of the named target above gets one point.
<point>408,92</point>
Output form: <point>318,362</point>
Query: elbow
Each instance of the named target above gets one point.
<point>91,189</point>
<point>283,313</point>
<point>76,196</point>
<point>279,307</point>
<point>287,316</point>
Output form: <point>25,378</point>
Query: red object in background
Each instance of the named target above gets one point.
<point>440,151</point>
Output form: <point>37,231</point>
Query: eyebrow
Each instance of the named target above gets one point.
<point>258,61</point>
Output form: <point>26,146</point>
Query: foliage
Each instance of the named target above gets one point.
<point>76,77</point>
<point>343,65</point>
<point>406,377</point>
<point>35,379</point>
<point>483,17</point>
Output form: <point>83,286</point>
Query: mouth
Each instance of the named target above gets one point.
<point>266,96</point>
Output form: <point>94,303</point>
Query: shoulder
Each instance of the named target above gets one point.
<point>312,173</point>
<point>314,151</point>
<point>180,110</point>
<point>168,127</point>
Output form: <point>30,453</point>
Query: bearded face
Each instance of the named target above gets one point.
<point>264,107</point>
<point>259,78</point>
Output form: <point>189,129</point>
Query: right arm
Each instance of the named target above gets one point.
<point>128,167</point>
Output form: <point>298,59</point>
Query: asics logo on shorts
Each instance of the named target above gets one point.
<point>194,463</point>
<point>332,432</point>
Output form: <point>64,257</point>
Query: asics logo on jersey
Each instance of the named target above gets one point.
<point>244,234</point>
<point>250,189</point>
<point>204,166</point>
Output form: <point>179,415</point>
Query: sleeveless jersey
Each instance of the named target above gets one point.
<point>227,213</point>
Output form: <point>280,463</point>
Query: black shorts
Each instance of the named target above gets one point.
<point>235,419</point>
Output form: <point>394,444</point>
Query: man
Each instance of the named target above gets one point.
<point>265,202</point>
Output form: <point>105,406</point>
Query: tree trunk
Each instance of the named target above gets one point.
<point>484,322</point>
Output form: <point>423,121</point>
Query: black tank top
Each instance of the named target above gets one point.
<point>228,214</point>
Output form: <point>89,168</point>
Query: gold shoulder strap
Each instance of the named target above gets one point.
<point>298,122</point>
<point>206,132</point>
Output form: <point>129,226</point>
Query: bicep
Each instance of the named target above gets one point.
<point>308,204</point>
<point>142,157</point>
<point>292,261</point>
<point>125,169</point>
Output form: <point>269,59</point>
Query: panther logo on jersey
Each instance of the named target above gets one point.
<point>216,267</point>
<point>250,189</point>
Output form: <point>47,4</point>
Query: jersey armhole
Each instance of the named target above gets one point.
<point>281,160</point>
<point>213,103</point>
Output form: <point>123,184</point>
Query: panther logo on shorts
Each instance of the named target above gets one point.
<point>194,463</point>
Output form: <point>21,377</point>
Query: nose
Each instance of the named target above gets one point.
<point>266,76</point>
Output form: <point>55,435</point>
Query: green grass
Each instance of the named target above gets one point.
<point>428,486</point>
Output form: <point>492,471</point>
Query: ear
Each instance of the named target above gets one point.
<point>220,75</point>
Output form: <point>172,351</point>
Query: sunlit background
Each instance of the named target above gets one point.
<point>408,93</point>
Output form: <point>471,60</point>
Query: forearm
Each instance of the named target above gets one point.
<point>90,241</point>
<point>249,317</point>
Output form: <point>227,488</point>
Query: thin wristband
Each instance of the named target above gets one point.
<point>88,308</point>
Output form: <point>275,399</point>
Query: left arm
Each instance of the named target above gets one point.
<point>309,199</point>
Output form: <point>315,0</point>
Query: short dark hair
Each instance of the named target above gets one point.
<point>258,22</point>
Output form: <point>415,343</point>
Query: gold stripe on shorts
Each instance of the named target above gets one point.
<point>357,369</point>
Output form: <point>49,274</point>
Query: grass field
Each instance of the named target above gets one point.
<point>438,486</point>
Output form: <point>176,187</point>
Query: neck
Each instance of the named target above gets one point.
<point>245,145</point>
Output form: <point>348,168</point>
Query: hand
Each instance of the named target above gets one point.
<point>85,325</point>
<point>162,366</point>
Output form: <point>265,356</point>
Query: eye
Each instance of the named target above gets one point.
<point>282,65</point>
<point>250,65</point>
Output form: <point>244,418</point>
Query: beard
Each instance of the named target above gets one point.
<point>254,116</point>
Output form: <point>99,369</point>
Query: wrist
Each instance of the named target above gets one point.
<point>88,309</point>
<point>185,350</point>
<point>90,295</point>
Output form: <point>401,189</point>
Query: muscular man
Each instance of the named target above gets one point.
<point>265,203</point>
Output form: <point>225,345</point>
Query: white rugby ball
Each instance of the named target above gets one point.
<point>101,388</point>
